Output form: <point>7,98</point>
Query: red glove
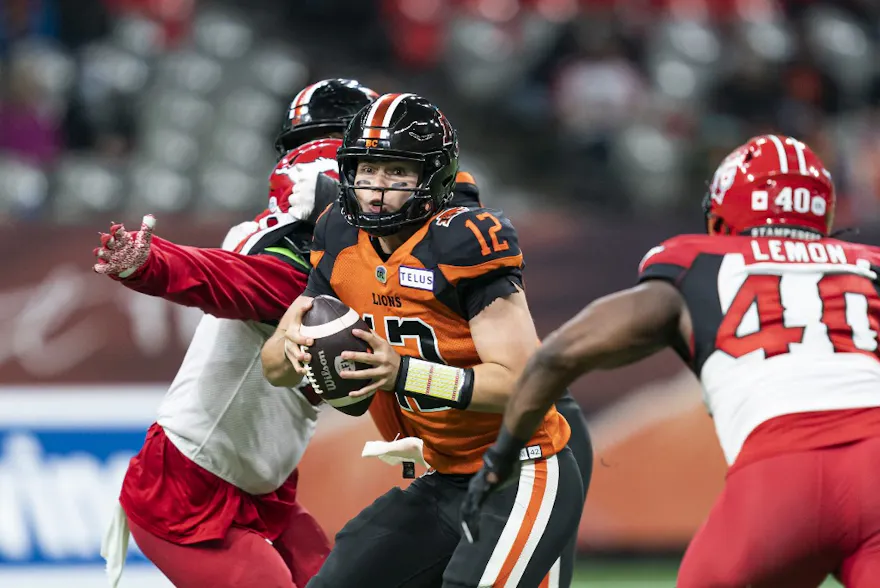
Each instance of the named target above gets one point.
<point>122,253</point>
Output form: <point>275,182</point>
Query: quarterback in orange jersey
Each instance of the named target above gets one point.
<point>442,290</point>
<point>780,322</point>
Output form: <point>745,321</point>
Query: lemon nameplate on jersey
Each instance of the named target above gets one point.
<point>785,251</point>
<point>530,452</point>
<point>413,277</point>
<point>812,256</point>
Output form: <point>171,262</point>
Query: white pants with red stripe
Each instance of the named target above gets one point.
<point>412,538</point>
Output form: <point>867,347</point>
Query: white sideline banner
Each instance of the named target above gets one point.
<point>63,453</point>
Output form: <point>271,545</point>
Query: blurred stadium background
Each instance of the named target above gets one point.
<point>593,123</point>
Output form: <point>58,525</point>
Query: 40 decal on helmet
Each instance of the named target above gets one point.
<point>771,181</point>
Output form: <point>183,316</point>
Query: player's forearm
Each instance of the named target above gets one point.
<point>483,388</point>
<point>647,318</point>
<point>544,380</point>
<point>277,369</point>
<point>219,282</point>
<point>504,336</point>
<point>493,384</point>
<point>569,352</point>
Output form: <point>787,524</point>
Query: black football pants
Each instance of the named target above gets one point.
<point>412,538</point>
<point>582,448</point>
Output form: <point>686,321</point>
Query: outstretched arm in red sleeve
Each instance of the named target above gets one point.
<point>222,283</point>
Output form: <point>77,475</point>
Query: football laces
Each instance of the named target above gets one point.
<point>310,374</point>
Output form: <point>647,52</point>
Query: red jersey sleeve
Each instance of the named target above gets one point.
<point>219,282</point>
<point>670,260</point>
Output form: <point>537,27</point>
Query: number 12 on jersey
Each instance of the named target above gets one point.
<point>397,330</point>
<point>850,314</point>
<point>498,245</point>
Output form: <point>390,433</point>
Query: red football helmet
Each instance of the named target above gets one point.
<point>771,180</point>
<point>302,165</point>
<point>292,190</point>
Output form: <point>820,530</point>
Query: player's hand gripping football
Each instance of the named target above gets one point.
<point>384,360</point>
<point>291,323</point>
<point>499,464</point>
<point>121,253</point>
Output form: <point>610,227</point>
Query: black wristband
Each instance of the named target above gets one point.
<point>467,390</point>
<point>401,374</point>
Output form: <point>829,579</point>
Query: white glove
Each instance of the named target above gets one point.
<point>122,253</point>
<point>305,178</point>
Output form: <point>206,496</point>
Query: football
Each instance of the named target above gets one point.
<point>330,322</point>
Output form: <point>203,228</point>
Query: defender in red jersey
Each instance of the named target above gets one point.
<point>211,496</point>
<point>780,322</point>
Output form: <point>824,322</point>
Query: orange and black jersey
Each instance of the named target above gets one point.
<point>385,409</point>
<point>420,298</point>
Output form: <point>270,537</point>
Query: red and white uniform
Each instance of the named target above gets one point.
<point>223,453</point>
<point>785,343</point>
<point>781,327</point>
<point>221,413</point>
<point>222,456</point>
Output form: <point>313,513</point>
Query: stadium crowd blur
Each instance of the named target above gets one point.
<point>615,106</point>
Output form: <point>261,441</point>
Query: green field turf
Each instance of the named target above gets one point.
<point>633,574</point>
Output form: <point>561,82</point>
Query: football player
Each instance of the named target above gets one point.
<point>780,322</point>
<point>467,194</point>
<point>443,287</point>
<point>211,496</point>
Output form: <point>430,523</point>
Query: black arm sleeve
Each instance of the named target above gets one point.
<point>478,293</point>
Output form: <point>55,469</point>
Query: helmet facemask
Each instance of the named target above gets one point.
<point>430,195</point>
<point>399,127</point>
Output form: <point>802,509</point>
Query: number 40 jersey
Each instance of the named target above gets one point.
<point>780,327</point>
<point>420,299</point>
